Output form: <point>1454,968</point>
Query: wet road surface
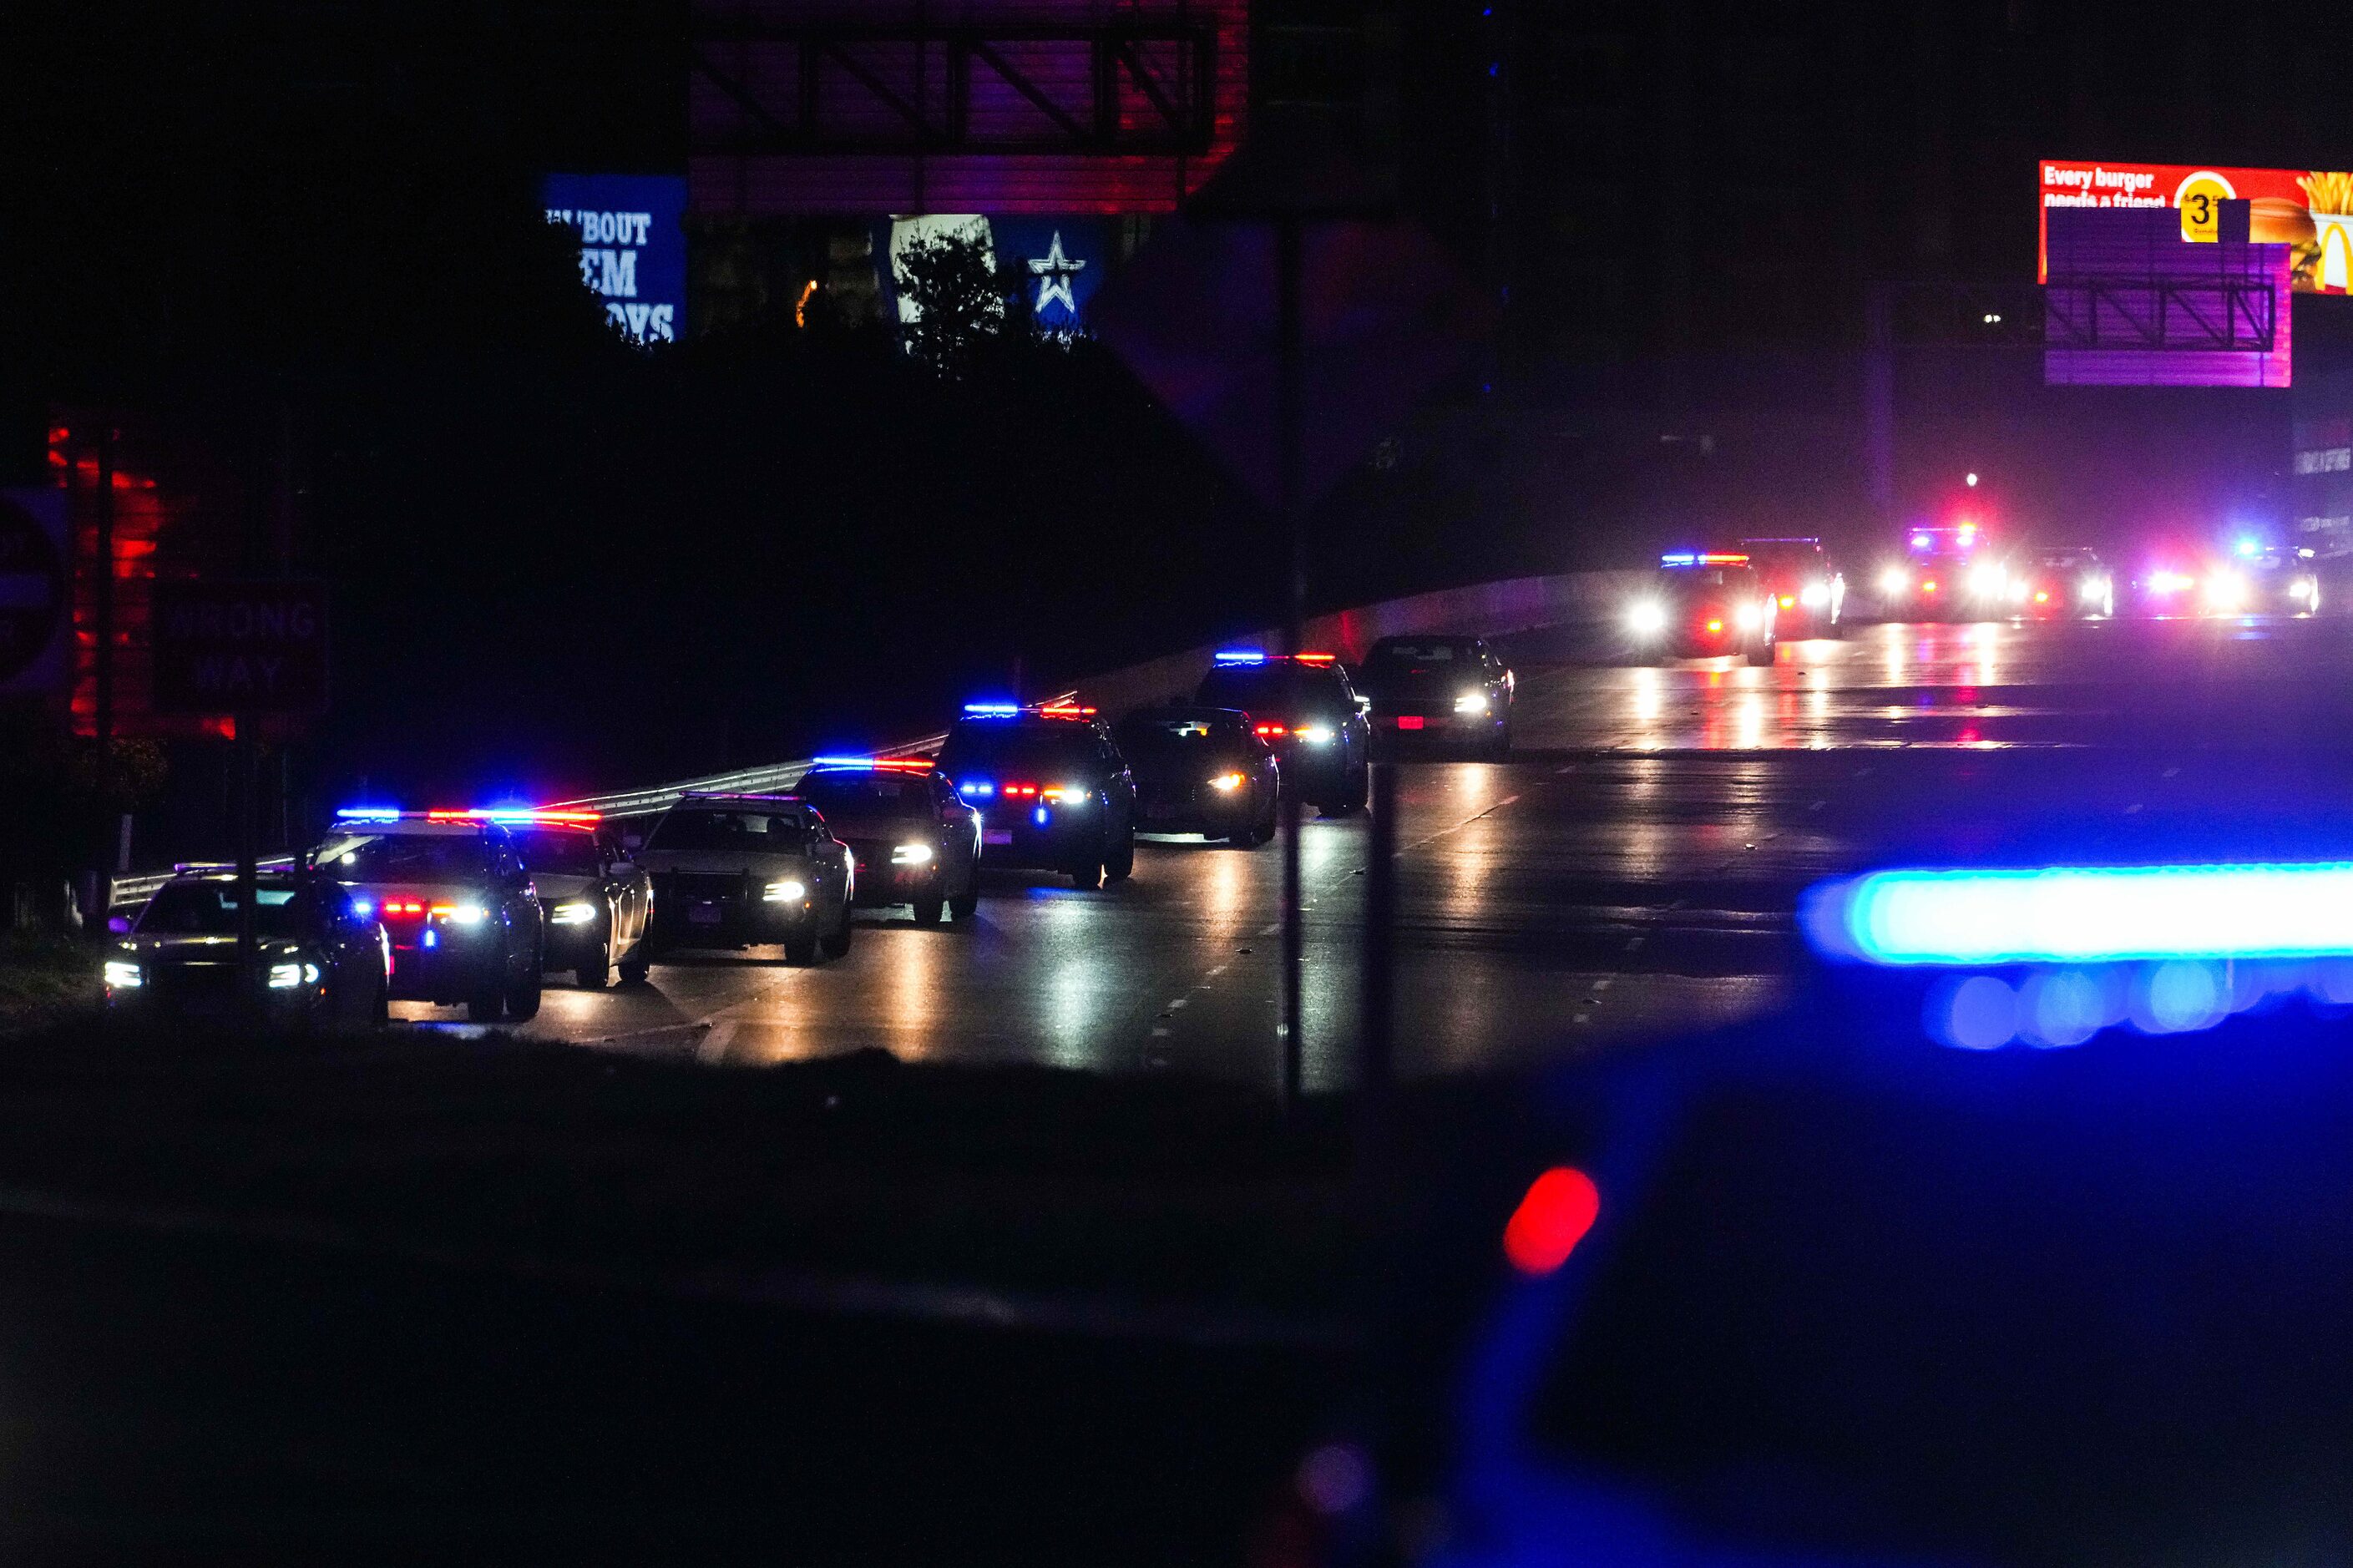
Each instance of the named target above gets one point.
<point>1632,870</point>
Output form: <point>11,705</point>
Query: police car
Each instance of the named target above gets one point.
<point>1304,707</point>
<point>1052,790</point>
<point>741,870</point>
<point>320,954</point>
<point>454,897</point>
<point>1703,602</point>
<point>915,840</point>
<point>599,904</point>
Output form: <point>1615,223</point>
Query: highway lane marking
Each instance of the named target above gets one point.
<point>714,1049</point>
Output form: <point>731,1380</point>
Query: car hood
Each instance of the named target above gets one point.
<point>194,948</point>
<point>720,862</point>
<point>556,885</point>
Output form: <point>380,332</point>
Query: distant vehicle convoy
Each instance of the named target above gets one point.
<point>1707,603</point>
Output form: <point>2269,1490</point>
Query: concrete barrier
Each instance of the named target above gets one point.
<point>1482,609</point>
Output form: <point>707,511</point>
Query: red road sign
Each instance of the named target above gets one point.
<point>251,646</point>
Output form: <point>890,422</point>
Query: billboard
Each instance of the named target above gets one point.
<point>632,247</point>
<point>2309,211</point>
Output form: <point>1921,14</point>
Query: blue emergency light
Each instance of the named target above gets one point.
<point>368,814</point>
<point>2086,914</point>
<point>1242,656</point>
<point>992,710</point>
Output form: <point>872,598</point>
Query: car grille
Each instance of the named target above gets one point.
<point>698,887</point>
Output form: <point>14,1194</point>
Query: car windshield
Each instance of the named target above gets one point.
<point>850,795</point>
<point>407,857</point>
<point>1009,749</point>
<point>559,851</point>
<point>1276,688</point>
<point>1385,653</point>
<point>758,830</point>
<point>1688,578</point>
<point>1179,736</point>
<point>210,909</point>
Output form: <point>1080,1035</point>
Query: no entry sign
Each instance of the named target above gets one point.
<point>34,591</point>
<point>240,646</point>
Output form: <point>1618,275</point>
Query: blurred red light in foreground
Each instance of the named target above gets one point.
<point>1560,1207</point>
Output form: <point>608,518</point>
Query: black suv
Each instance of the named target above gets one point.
<point>1202,770</point>
<point>1304,707</point>
<point>452,893</point>
<point>1052,790</point>
<point>1449,689</point>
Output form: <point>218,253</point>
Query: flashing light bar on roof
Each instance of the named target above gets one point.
<point>1065,711</point>
<point>874,765</point>
<point>1242,656</point>
<point>368,814</point>
<point>1316,657</point>
<point>1703,558</point>
<point>2087,914</point>
<point>993,710</point>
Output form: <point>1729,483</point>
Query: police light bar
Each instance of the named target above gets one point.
<point>874,765</point>
<point>368,814</point>
<point>2086,914</point>
<point>993,710</point>
<point>1065,711</point>
<point>1242,656</point>
<point>1703,558</point>
<point>1316,657</point>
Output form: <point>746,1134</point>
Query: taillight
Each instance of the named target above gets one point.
<point>1265,729</point>
<point>1013,791</point>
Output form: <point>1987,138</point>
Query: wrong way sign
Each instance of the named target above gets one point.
<point>35,592</point>
<point>240,646</point>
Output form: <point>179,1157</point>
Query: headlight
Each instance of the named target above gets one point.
<point>2093,588</point>
<point>1470,702</point>
<point>2226,589</point>
<point>912,855</point>
<point>573,913</point>
<point>1986,581</point>
<point>286,976</point>
<point>1814,596</point>
<point>2164,582</point>
<point>2300,589</point>
<point>1066,794</point>
<point>1894,580</point>
<point>1228,783</point>
<point>1646,617</point>
<point>786,892</point>
<point>1750,617</point>
<point>464,914</point>
<point>1314,734</point>
<point>122,976</point>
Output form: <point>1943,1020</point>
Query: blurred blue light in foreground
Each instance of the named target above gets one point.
<point>2093,914</point>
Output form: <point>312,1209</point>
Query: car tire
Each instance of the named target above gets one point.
<point>523,998</point>
<point>1119,865</point>
<point>380,1008</point>
<point>1498,750</point>
<point>487,1005</point>
<point>966,904</point>
<point>635,970</point>
<point>928,910</point>
<point>595,970</point>
<point>1760,653</point>
<point>837,942</point>
<point>1088,878</point>
<point>801,951</point>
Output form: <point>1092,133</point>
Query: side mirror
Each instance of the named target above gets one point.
<point>119,924</point>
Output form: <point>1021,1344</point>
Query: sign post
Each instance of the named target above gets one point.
<point>250,649</point>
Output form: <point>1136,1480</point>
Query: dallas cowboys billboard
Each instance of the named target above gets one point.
<point>632,249</point>
<point>1056,263</point>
